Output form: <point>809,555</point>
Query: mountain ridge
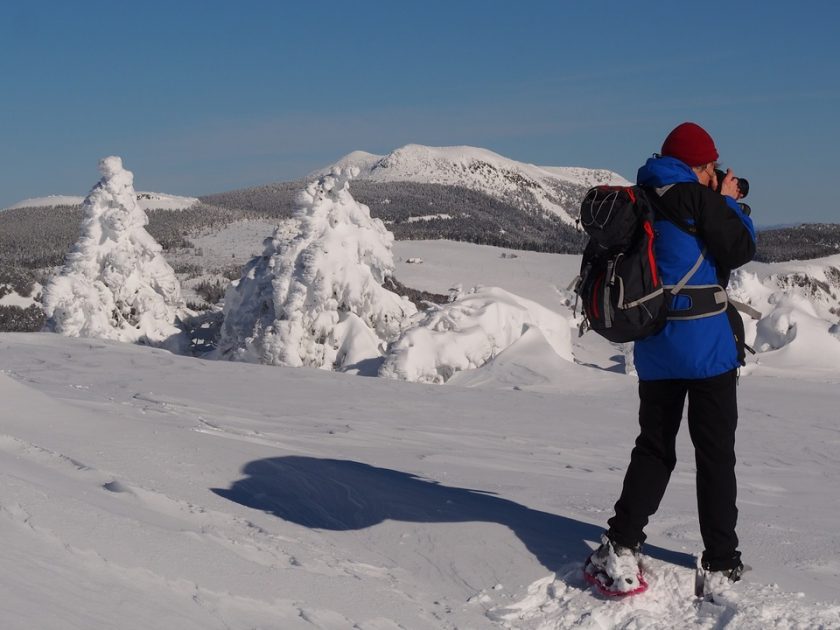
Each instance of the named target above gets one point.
<point>147,201</point>
<point>554,190</point>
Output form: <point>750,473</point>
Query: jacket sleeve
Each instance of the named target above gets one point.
<point>728,233</point>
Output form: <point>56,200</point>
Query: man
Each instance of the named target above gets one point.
<point>696,355</point>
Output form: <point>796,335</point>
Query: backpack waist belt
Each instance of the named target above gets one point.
<point>703,301</point>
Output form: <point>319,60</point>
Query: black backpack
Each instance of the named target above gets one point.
<point>619,285</point>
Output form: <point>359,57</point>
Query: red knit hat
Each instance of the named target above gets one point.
<point>690,143</point>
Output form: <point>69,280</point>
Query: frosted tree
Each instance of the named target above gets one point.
<point>315,296</point>
<point>114,284</point>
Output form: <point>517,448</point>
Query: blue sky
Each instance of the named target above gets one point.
<point>199,97</point>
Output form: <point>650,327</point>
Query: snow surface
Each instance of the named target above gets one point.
<point>798,334</point>
<point>587,176</point>
<point>141,489</point>
<point>428,217</point>
<point>12,298</point>
<point>468,332</point>
<point>482,170</point>
<point>48,202</point>
<point>146,201</point>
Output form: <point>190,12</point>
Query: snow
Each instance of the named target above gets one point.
<point>48,202</point>
<point>587,176</point>
<point>428,217</point>
<point>799,334</point>
<point>542,278</point>
<point>468,332</point>
<point>12,298</point>
<point>144,489</point>
<point>361,160</point>
<point>482,170</point>
<point>230,245</point>
<point>146,201</point>
<point>163,201</point>
<point>115,283</point>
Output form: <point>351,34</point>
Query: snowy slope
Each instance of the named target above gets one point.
<point>179,493</point>
<point>146,201</point>
<point>554,190</point>
<point>48,202</point>
<point>586,176</point>
<point>141,489</point>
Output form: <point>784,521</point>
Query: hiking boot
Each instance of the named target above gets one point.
<point>615,567</point>
<point>710,583</point>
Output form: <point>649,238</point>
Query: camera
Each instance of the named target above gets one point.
<point>743,184</point>
<point>743,188</point>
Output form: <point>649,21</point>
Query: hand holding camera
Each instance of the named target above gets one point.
<point>728,184</point>
<point>736,187</point>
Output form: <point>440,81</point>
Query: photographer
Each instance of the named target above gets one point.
<point>697,354</point>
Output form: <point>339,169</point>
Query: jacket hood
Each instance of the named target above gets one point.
<point>661,171</point>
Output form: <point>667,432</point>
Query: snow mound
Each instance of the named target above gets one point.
<point>466,333</point>
<point>529,363</point>
<point>552,190</point>
<point>799,304</point>
<point>793,335</point>
<point>115,284</point>
<point>315,297</point>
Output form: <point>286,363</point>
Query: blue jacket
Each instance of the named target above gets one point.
<point>706,347</point>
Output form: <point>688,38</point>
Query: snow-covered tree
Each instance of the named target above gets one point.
<point>115,284</point>
<point>315,296</point>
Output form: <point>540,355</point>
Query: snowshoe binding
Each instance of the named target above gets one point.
<point>615,570</point>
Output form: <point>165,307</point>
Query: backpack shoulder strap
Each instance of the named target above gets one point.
<point>662,213</point>
<point>689,274</point>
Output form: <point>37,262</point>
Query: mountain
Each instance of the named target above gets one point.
<point>535,189</point>
<point>50,201</point>
<point>146,200</point>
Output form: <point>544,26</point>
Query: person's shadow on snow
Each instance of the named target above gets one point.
<point>343,495</point>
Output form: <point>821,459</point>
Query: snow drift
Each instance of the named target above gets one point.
<point>115,284</point>
<point>315,296</point>
<point>799,304</point>
<point>529,363</point>
<point>468,332</point>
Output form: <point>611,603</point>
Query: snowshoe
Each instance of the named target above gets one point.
<point>615,570</point>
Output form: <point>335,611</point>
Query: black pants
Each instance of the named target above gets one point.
<point>712,418</point>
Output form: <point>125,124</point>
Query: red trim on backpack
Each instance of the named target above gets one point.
<point>631,194</point>
<point>595,298</point>
<point>651,259</point>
